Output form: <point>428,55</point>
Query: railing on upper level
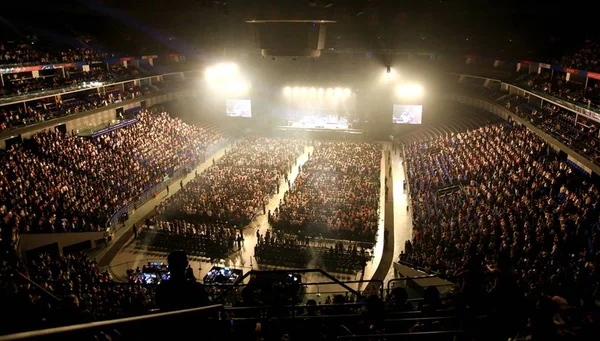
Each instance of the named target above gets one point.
<point>196,321</point>
<point>226,321</point>
<point>10,100</point>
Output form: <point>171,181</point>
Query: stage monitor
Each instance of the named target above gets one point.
<point>407,114</point>
<point>239,108</point>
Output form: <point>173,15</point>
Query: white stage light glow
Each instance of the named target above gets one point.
<point>329,91</point>
<point>287,90</point>
<point>338,92</point>
<point>347,92</point>
<point>312,90</point>
<point>321,91</point>
<point>296,90</point>
<point>304,90</point>
<point>409,91</point>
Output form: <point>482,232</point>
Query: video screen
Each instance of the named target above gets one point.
<point>407,114</point>
<point>239,108</point>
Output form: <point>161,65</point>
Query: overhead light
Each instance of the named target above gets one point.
<point>287,90</point>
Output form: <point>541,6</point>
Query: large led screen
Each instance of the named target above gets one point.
<point>407,114</point>
<point>239,108</point>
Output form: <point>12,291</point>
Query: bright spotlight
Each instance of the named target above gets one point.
<point>296,90</point>
<point>329,91</point>
<point>312,90</point>
<point>221,71</point>
<point>389,74</point>
<point>338,92</point>
<point>410,91</point>
<point>321,90</point>
<point>210,74</point>
<point>304,90</point>
<point>287,90</point>
<point>347,92</point>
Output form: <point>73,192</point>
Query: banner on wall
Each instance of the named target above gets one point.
<point>526,62</point>
<point>594,75</point>
<point>20,69</point>
<point>544,65</point>
<point>571,71</point>
<point>57,66</point>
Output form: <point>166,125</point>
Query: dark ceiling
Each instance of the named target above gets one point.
<point>495,28</point>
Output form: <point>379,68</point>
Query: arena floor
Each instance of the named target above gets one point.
<point>127,253</point>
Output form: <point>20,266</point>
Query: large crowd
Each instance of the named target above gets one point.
<point>238,186</point>
<point>214,207</point>
<point>62,183</point>
<point>14,116</point>
<point>24,84</point>
<point>33,53</point>
<point>72,290</point>
<point>336,194</point>
<point>586,95</point>
<point>579,133</point>
<point>515,208</point>
<point>585,58</point>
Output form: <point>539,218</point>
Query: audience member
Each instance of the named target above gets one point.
<point>178,292</point>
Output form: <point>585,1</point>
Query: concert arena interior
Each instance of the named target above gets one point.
<point>299,170</point>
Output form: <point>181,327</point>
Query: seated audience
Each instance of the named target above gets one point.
<point>336,193</point>
<point>238,186</point>
<point>61,183</point>
<point>496,191</point>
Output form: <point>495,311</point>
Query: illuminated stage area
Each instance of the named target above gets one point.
<point>317,108</point>
<point>320,122</point>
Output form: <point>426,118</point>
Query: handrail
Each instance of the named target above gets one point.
<point>9,100</point>
<point>398,335</point>
<point>39,125</point>
<point>32,282</point>
<point>83,327</point>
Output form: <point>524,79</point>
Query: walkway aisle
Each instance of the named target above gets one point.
<point>402,218</point>
<point>383,255</point>
<point>245,258</point>
<point>127,257</point>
